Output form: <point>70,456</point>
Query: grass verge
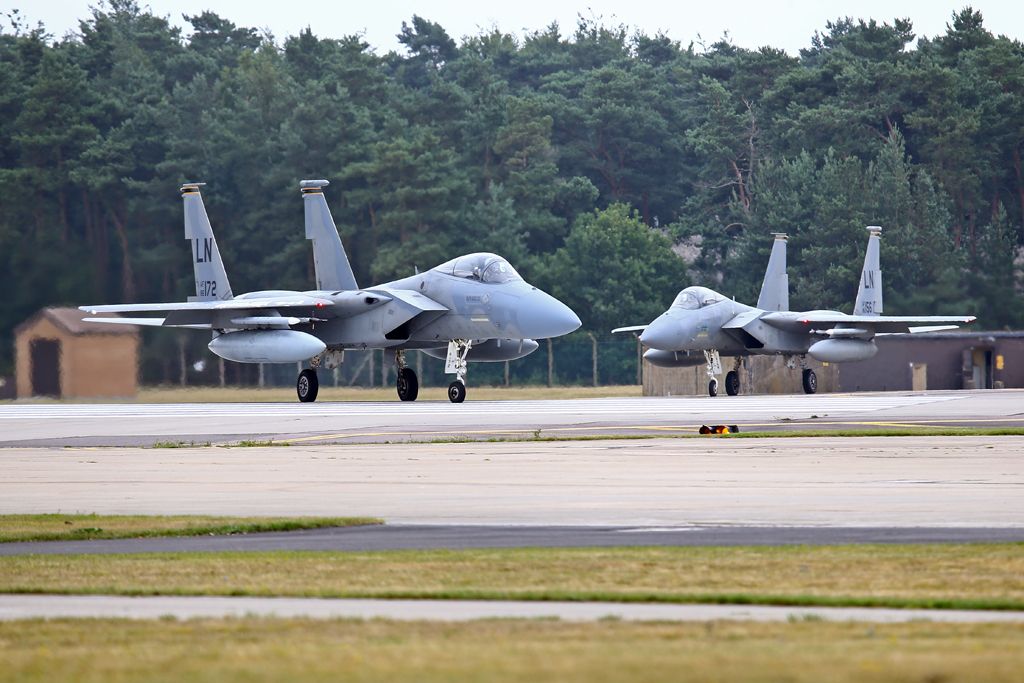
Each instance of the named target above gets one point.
<point>964,576</point>
<point>57,527</point>
<point>507,650</point>
<point>823,431</point>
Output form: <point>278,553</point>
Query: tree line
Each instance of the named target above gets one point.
<point>611,167</point>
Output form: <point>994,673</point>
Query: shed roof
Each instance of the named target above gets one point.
<point>72,321</point>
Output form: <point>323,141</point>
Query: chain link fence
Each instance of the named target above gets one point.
<point>577,359</point>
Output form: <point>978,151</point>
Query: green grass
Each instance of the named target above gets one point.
<point>229,650</point>
<point>966,576</point>
<point>58,527</point>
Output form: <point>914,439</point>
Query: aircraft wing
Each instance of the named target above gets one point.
<point>632,328</point>
<point>835,324</point>
<point>205,315</point>
<point>141,322</point>
<point>213,305</point>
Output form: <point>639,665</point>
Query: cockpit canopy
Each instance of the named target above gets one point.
<point>692,298</point>
<point>481,266</point>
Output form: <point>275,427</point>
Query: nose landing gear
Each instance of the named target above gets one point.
<point>713,365</point>
<point>455,363</point>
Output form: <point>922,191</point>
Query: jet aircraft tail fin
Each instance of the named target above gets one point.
<point>333,270</point>
<point>211,278</point>
<point>869,293</point>
<point>775,288</point>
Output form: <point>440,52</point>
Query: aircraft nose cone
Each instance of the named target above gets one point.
<point>545,317</point>
<point>662,335</point>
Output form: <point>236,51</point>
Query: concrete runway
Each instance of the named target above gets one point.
<point>130,424</point>
<point>111,606</point>
<point>894,482</point>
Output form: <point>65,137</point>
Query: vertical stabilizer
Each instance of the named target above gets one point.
<point>211,278</point>
<point>869,294</point>
<point>333,271</point>
<point>775,288</point>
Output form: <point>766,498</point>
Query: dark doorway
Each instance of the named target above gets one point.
<point>45,367</point>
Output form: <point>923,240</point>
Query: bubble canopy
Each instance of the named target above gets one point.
<point>692,298</point>
<point>481,266</point>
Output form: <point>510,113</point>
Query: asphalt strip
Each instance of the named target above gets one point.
<point>14,607</point>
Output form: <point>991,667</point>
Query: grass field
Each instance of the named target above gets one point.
<point>57,527</point>
<point>981,576</point>
<point>500,650</point>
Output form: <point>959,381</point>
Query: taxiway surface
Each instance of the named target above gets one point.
<point>809,482</point>
<point>131,424</point>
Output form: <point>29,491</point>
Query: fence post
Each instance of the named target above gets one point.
<point>639,361</point>
<point>551,364</point>
<point>593,356</point>
<point>183,370</point>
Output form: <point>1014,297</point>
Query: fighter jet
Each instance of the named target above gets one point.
<point>701,324</point>
<point>473,308</point>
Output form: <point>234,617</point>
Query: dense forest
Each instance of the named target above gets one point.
<point>611,167</point>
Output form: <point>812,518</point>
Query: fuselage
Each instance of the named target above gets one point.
<point>476,297</point>
<point>695,322</point>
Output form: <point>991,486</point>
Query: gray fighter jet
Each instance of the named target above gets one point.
<point>472,308</point>
<point>701,324</point>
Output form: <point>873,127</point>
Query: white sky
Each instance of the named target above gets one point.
<point>750,23</point>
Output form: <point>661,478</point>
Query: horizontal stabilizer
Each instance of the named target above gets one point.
<point>631,328</point>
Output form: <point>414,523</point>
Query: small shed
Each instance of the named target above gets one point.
<point>57,353</point>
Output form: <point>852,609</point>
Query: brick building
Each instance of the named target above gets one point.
<point>58,354</point>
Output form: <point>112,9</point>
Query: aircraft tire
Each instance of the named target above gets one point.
<point>810,381</point>
<point>307,385</point>
<point>456,392</point>
<point>732,383</point>
<point>407,384</point>
<point>713,388</point>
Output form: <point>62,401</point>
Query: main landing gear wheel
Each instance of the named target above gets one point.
<point>713,387</point>
<point>810,381</point>
<point>456,392</point>
<point>407,384</point>
<point>307,386</point>
<point>732,383</point>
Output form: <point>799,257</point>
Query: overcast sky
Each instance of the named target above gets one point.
<point>749,23</point>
